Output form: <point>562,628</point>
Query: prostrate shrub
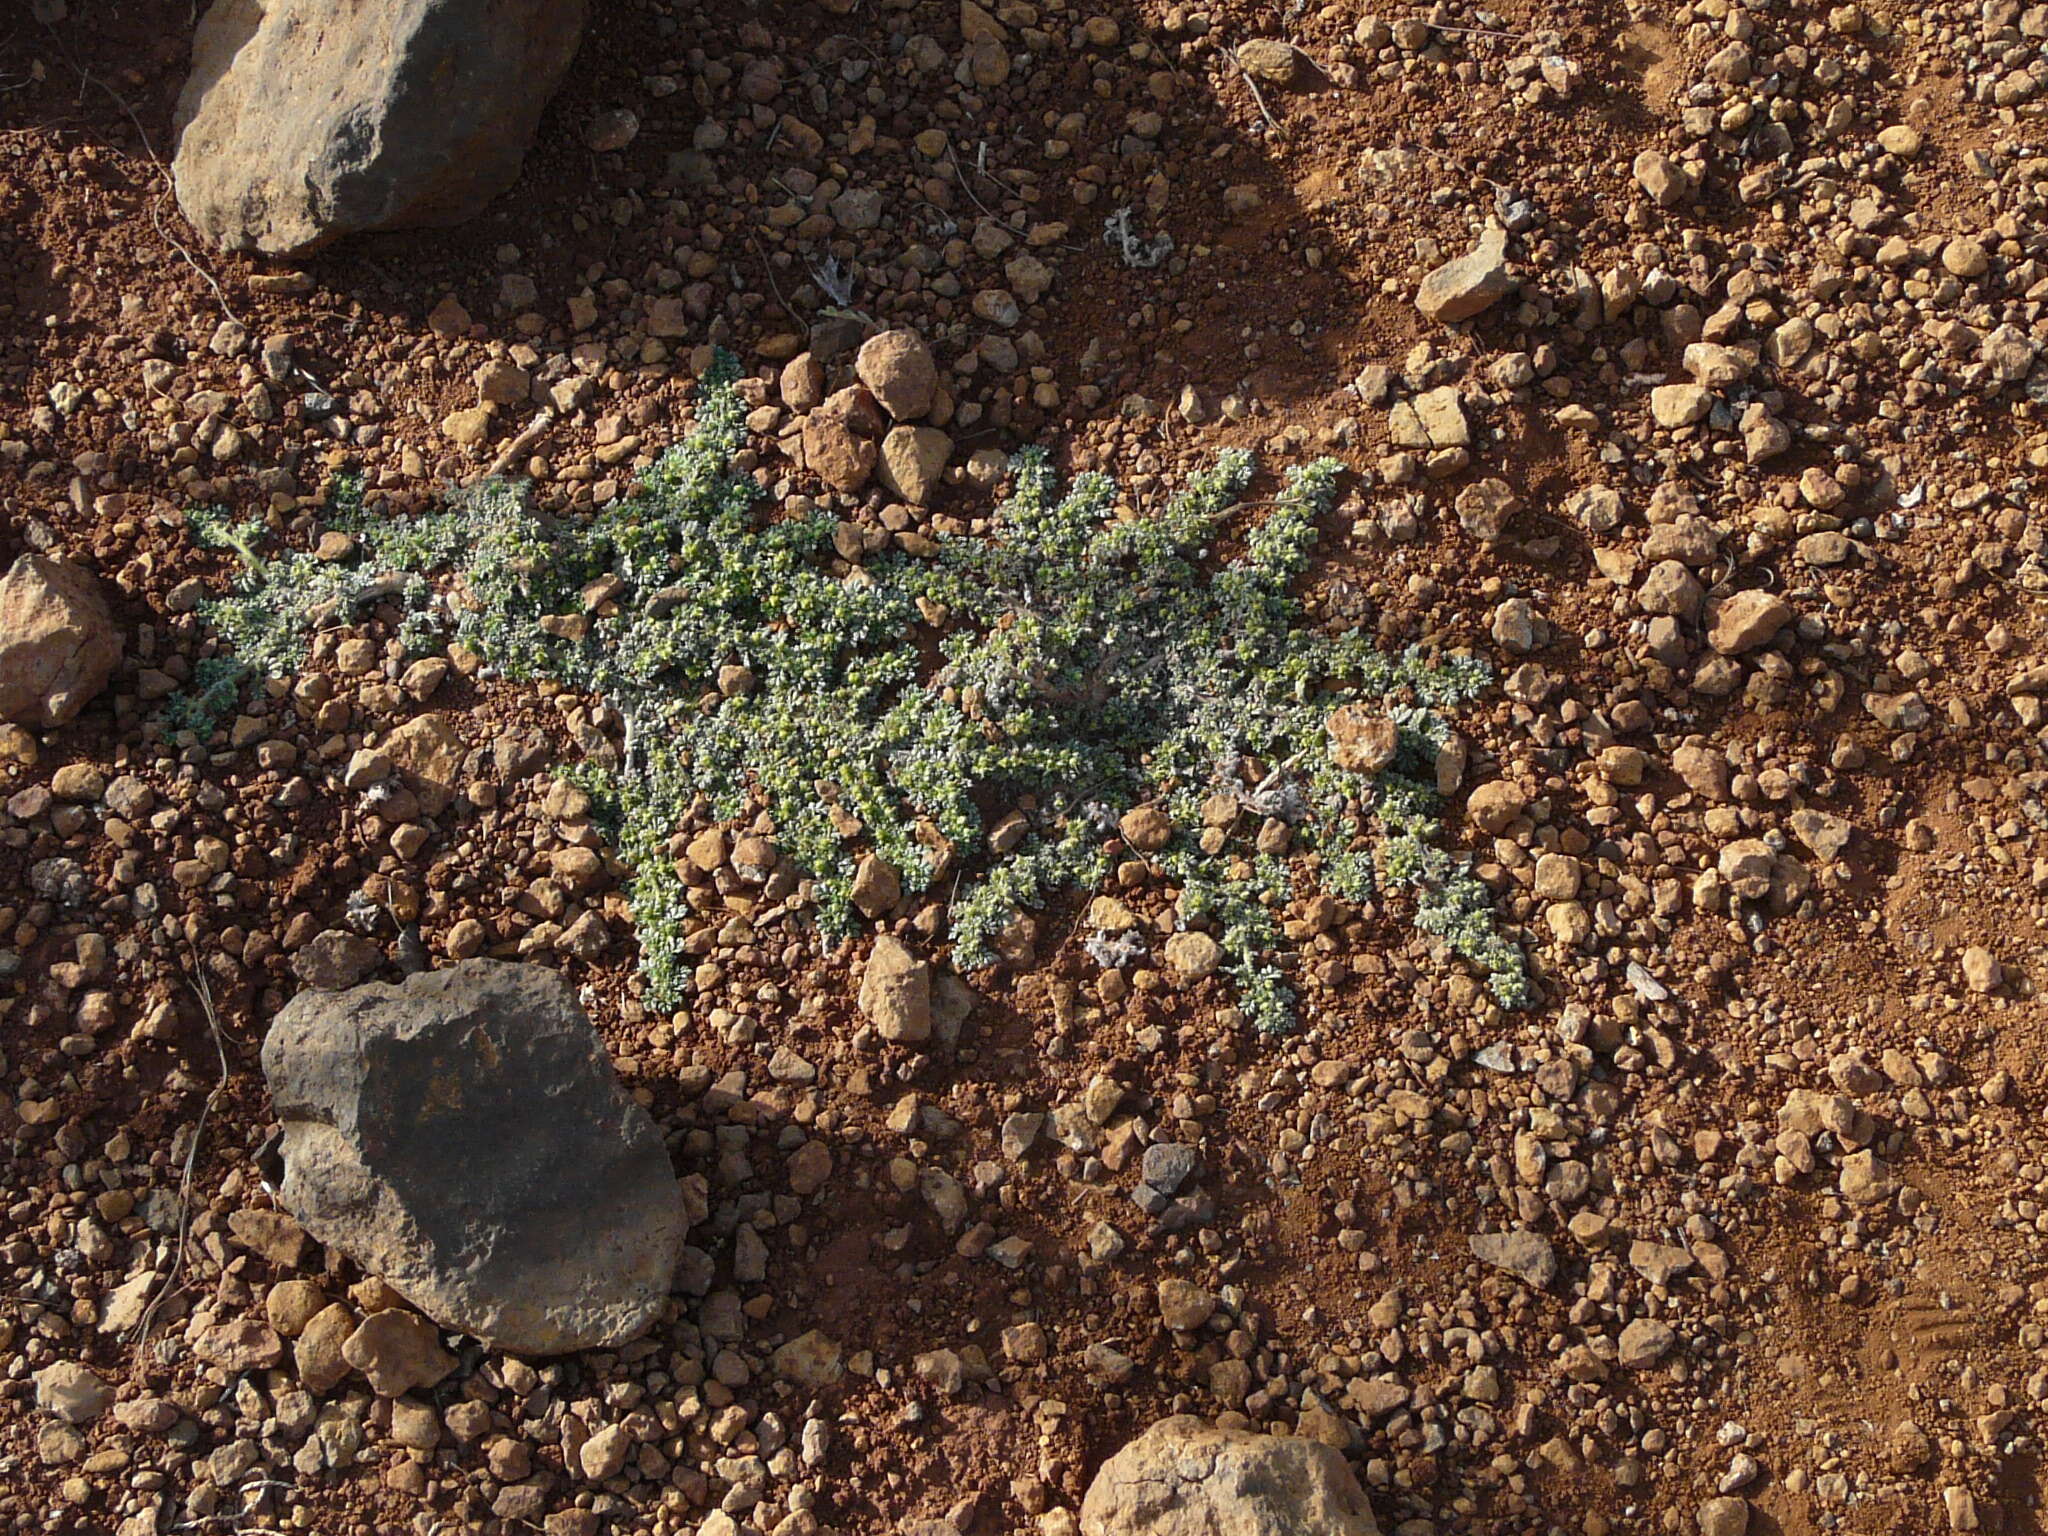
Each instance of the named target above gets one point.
<point>1070,659</point>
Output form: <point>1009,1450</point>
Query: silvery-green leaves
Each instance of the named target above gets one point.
<point>1087,658</point>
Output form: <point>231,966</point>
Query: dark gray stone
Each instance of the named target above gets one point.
<point>462,1135</point>
<point>1167,1165</point>
<point>304,120</point>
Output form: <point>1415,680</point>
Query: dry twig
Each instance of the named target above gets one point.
<point>196,979</point>
<point>530,435</point>
<point>163,175</point>
<point>1512,37</point>
<point>960,175</point>
<point>1258,96</point>
<point>768,267</point>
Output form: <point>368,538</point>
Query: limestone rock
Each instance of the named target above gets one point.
<point>912,460</point>
<point>1494,805</point>
<point>1644,1342</point>
<point>1981,969</point>
<point>978,26</point>
<point>1433,419</point>
<point>304,121</point>
<point>239,1344</point>
<point>1467,285</point>
<point>58,644</point>
<point>1679,405</point>
<point>877,887</point>
<point>839,441</point>
<point>75,1393</point>
<point>291,1306</point>
<point>1274,61</point>
<point>1524,1255</point>
<point>1827,835</point>
<point>317,1352</point>
<point>896,992</point>
<point>429,748</point>
<point>462,1135</point>
<point>1183,1478</point>
<point>1866,1179</point>
<point>899,372</point>
<point>1747,620</point>
<point>1658,1263</point>
<point>1194,955</point>
<point>397,1351</point>
<point>1146,828</point>
<point>335,959</point>
<point>1362,739</point>
<point>1666,181</point>
<point>810,1360</point>
<point>1484,508</point>
<point>1183,1305</point>
<point>468,427</point>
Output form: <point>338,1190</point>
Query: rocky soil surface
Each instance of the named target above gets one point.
<point>1687,362</point>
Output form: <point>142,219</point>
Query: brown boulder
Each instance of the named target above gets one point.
<point>463,1136</point>
<point>896,992</point>
<point>58,644</point>
<point>1466,285</point>
<point>913,458</point>
<point>839,440</point>
<point>898,370</point>
<point>1362,740</point>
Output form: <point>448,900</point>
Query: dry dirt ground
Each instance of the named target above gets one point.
<point>1778,1115</point>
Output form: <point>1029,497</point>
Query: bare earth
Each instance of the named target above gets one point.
<point>1784,1138</point>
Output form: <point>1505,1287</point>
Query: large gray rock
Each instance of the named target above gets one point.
<point>462,1135</point>
<point>304,120</point>
<point>58,644</point>
<point>1184,1478</point>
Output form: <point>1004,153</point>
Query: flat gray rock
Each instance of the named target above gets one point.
<point>304,120</point>
<point>462,1135</point>
<point>1522,1254</point>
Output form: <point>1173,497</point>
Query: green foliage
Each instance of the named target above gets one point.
<point>275,604</point>
<point>216,685</point>
<point>1085,658</point>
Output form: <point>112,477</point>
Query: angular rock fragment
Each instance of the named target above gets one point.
<point>896,992</point>
<point>304,121</point>
<point>898,370</point>
<point>1524,1255</point>
<point>462,1136</point>
<point>1470,284</point>
<point>58,644</point>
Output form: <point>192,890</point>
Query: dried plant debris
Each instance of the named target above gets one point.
<point>1133,250</point>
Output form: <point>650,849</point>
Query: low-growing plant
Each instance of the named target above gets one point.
<point>1077,658</point>
<point>216,685</point>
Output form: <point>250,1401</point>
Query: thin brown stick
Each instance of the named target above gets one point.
<point>1512,37</point>
<point>960,173</point>
<point>768,267</point>
<point>196,979</point>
